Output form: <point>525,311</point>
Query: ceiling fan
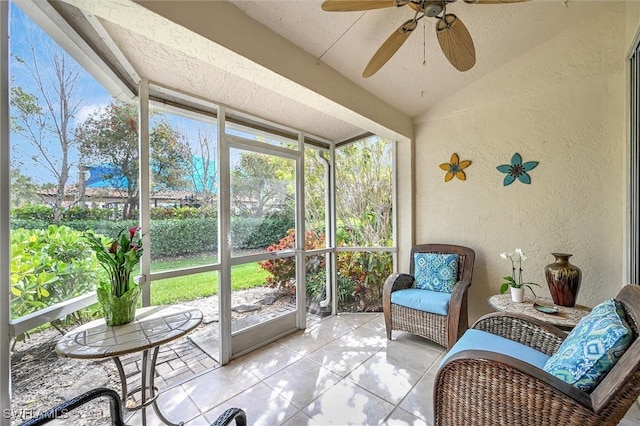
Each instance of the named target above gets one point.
<point>454,38</point>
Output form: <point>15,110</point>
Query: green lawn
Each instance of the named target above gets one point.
<point>181,289</point>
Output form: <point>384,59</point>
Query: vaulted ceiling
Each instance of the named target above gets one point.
<point>293,63</point>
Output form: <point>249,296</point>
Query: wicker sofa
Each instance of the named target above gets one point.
<point>442,329</point>
<point>478,386</point>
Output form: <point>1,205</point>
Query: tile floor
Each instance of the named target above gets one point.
<point>339,371</point>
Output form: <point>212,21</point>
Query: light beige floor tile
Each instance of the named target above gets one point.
<point>399,417</point>
<point>304,344</point>
<point>348,404</point>
<point>419,401</point>
<point>384,378</point>
<point>349,351</point>
<point>174,404</point>
<point>632,418</point>
<point>262,405</point>
<point>351,345</point>
<point>269,359</point>
<point>216,386</point>
<point>300,419</point>
<point>377,323</point>
<point>199,421</point>
<point>302,382</point>
<point>358,320</point>
<point>416,355</point>
<point>339,358</point>
<point>421,341</point>
<point>315,337</point>
<point>364,337</point>
<point>136,419</point>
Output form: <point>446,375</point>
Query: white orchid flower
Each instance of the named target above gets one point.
<point>520,254</point>
<point>504,256</point>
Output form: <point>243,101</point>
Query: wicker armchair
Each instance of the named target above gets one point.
<point>478,387</point>
<point>442,329</point>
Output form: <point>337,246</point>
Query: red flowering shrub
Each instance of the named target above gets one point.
<point>283,271</point>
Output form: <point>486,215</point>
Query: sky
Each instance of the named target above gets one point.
<point>27,41</point>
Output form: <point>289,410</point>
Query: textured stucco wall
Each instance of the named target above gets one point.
<point>632,15</point>
<point>562,104</point>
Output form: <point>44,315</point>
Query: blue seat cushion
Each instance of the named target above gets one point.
<point>422,300</point>
<point>481,340</point>
<point>593,347</point>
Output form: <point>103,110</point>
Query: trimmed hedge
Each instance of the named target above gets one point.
<point>172,237</point>
<point>183,237</point>
<point>250,233</point>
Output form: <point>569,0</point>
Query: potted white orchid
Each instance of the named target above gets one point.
<point>517,286</point>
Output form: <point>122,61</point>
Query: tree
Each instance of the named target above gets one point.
<point>200,163</point>
<point>316,189</point>
<point>23,189</point>
<point>364,190</point>
<point>109,137</point>
<point>168,167</point>
<point>44,118</point>
<point>261,185</point>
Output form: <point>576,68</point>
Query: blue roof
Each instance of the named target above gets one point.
<point>110,176</point>
<point>106,176</point>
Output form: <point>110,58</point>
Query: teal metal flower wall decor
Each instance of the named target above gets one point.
<point>517,169</point>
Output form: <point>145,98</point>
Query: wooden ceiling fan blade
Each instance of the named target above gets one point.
<point>455,42</point>
<point>494,1</point>
<point>355,5</point>
<point>389,48</point>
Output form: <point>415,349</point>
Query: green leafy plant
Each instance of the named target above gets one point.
<point>516,258</point>
<point>316,287</point>
<point>284,270</point>
<point>118,258</point>
<point>368,272</point>
<point>48,266</point>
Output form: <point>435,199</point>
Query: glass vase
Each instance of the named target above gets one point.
<point>118,310</point>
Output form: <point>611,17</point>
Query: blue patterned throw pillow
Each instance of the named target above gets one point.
<point>436,271</point>
<point>592,348</point>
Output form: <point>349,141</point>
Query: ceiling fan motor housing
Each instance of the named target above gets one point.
<point>433,9</point>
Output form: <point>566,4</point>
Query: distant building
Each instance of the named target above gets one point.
<point>107,188</point>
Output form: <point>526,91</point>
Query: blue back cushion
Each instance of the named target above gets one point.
<point>436,271</point>
<point>593,347</point>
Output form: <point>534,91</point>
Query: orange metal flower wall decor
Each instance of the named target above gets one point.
<point>455,168</point>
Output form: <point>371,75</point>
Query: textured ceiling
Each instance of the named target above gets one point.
<point>418,75</point>
<point>412,82</point>
<point>194,76</point>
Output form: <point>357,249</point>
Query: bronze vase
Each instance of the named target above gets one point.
<point>563,279</point>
